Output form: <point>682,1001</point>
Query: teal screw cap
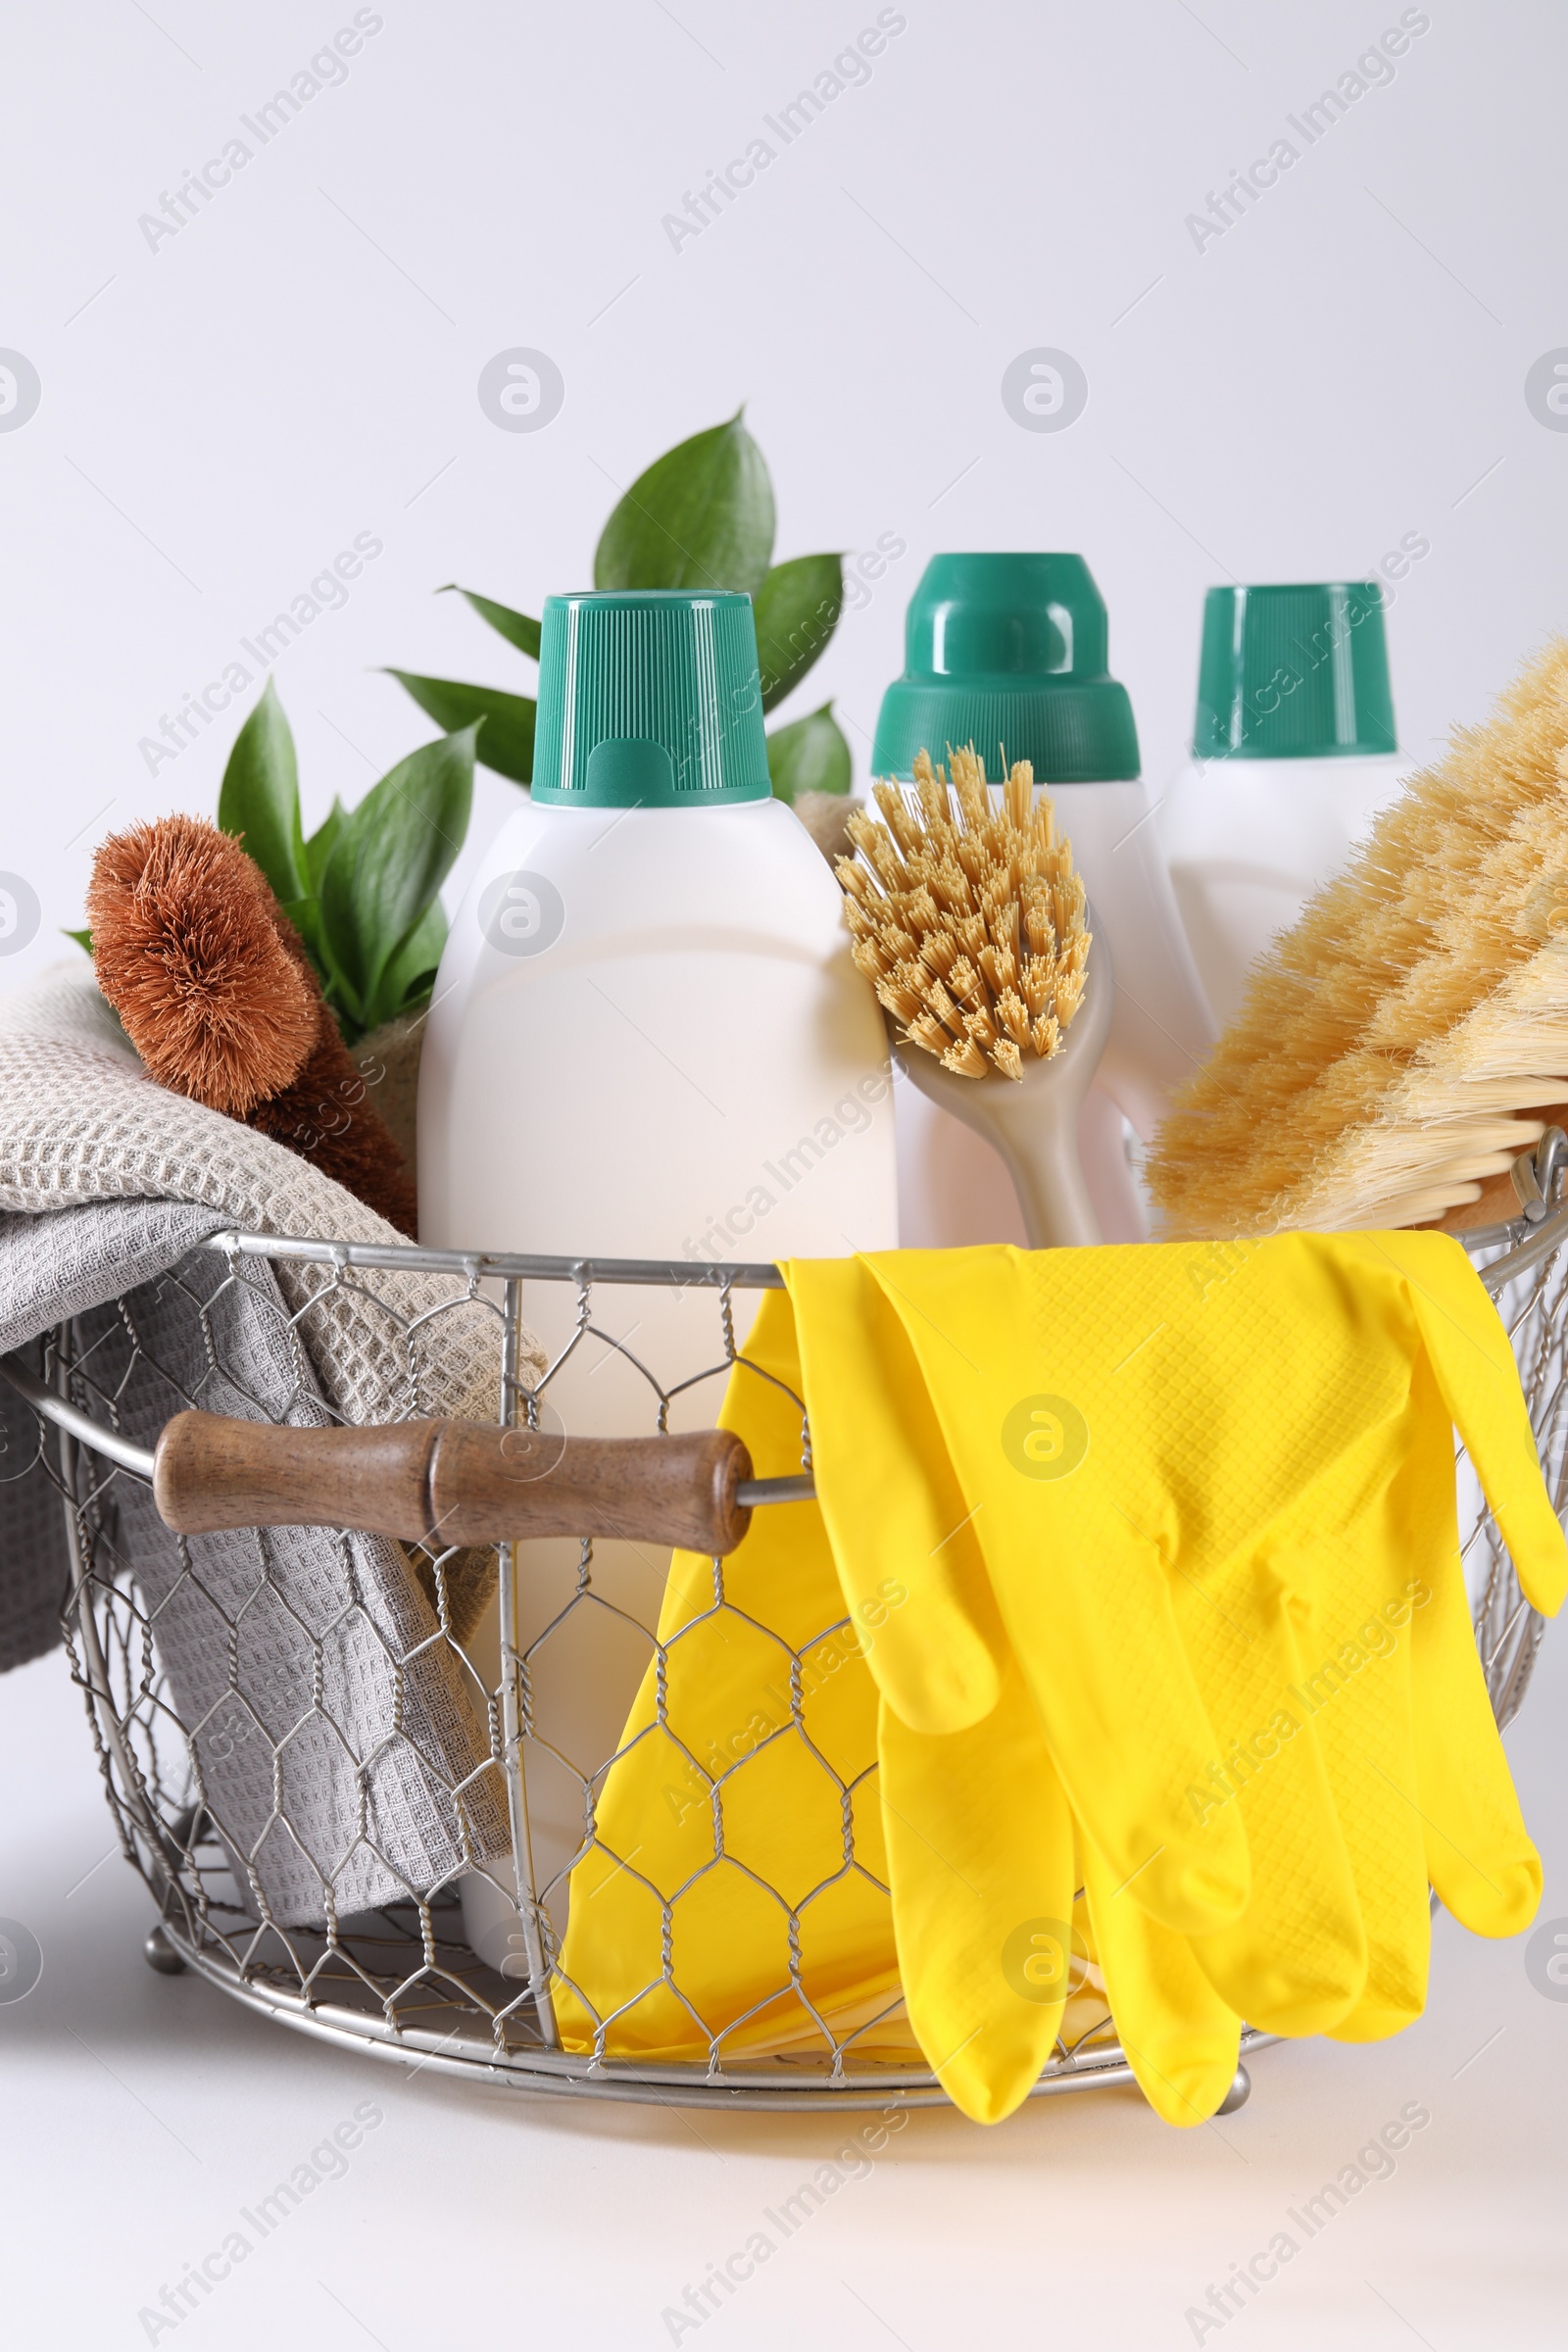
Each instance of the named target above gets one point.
<point>649,698</point>
<point>1008,652</point>
<point>1294,673</point>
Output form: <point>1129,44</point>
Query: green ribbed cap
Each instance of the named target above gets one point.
<point>649,698</point>
<point>1008,652</point>
<point>1294,673</point>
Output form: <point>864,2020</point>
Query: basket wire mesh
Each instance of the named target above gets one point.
<point>399,1977</point>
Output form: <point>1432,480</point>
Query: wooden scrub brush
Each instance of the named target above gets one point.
<point>1384,1064</point>
<point>972,926</point>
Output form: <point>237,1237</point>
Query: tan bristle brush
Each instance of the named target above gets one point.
<point>972,926</point>
<point>972,934</point>
<point>1384,1064</point>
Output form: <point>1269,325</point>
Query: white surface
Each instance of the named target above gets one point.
<point>143,2111</point>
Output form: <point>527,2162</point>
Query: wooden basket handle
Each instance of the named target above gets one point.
<point>443,1483</point>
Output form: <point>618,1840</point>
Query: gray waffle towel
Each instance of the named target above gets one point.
<point>338,1744</point>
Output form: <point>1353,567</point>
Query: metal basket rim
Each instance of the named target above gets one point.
<point>1521,1245</point>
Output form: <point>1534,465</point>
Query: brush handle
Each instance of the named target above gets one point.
<point>445,1482</point>
<point>1033,1120</point>
<point>1048,1180</point>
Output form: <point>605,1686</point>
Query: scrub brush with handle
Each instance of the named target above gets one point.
<point>1402,1047</point>
<point>974,931</point>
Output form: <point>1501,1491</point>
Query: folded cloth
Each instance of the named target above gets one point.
<point>80,1120</point>
<point>330,1726</point>
<point>52,1268</point>
<point>35,1567</point>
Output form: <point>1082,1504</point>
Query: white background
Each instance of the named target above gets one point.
<point>221,415</point>
<point>299,363</point>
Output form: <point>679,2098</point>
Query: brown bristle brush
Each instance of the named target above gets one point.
<point>216,991</point>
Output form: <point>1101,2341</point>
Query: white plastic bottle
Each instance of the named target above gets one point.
<point>647,1040</point>
<point>1009,652</point>
<point>1294,755</point>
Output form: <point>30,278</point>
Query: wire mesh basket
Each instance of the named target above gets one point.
<point>335,1759</point>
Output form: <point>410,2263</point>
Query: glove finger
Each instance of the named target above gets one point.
<point>1479,1854</point>
<point>902,1532</point>
<point>1181,2038</point>
<point>1356,1686</point>
<point>1474,1362</point>
<point>1296,1959</point>
<point>980,1853</point>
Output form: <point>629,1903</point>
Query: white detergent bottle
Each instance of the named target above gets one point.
<point>1293,755</point>
<point>1008,652</point>
<point>647,1041</point>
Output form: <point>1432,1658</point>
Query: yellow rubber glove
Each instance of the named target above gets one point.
<point>890,1503</point>
<point>1391,1689</point>
<point>1473,1359</point>
<point>1181,2039</point>
<point>1353,1562</point>
<point>979,1838</point>
<point>721,1812</point>
<point>1266,1515</point>
<point>980,1846</point>
<point>1478,1853</point>
<point>1296,1959</point>
<point>1109,1426</point>
<point>1178,2027</point>
<point>1316,1462</point>
<point>1393,1686</point>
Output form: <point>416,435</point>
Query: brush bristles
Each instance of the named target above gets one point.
<point>188,948</point>
<point>1420,995</point>
<point>970,931</point>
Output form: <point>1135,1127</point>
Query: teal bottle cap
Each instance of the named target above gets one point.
<point>1008,652</point>
<point>649,698</point>
<point>1294,673</point>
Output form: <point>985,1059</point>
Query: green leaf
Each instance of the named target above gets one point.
<point>318,848</point>
<point>349,1026</point>
<point>306,916</point>
<point>701,517</point>
<point>260,799</point>
<point>411,974</point>
<point>811,756</point>
<point>84,939</point>
<point>506,736</point>
<point>516,627</point>
<point>798,608</point>
<point>306,913</point>
<point>390,859</point>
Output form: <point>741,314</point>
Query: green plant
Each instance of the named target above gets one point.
<point>363,891</point>
<point>701,517</point>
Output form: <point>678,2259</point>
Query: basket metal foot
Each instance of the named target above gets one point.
<point>161,1954</point>
<point>1240,2092</point>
